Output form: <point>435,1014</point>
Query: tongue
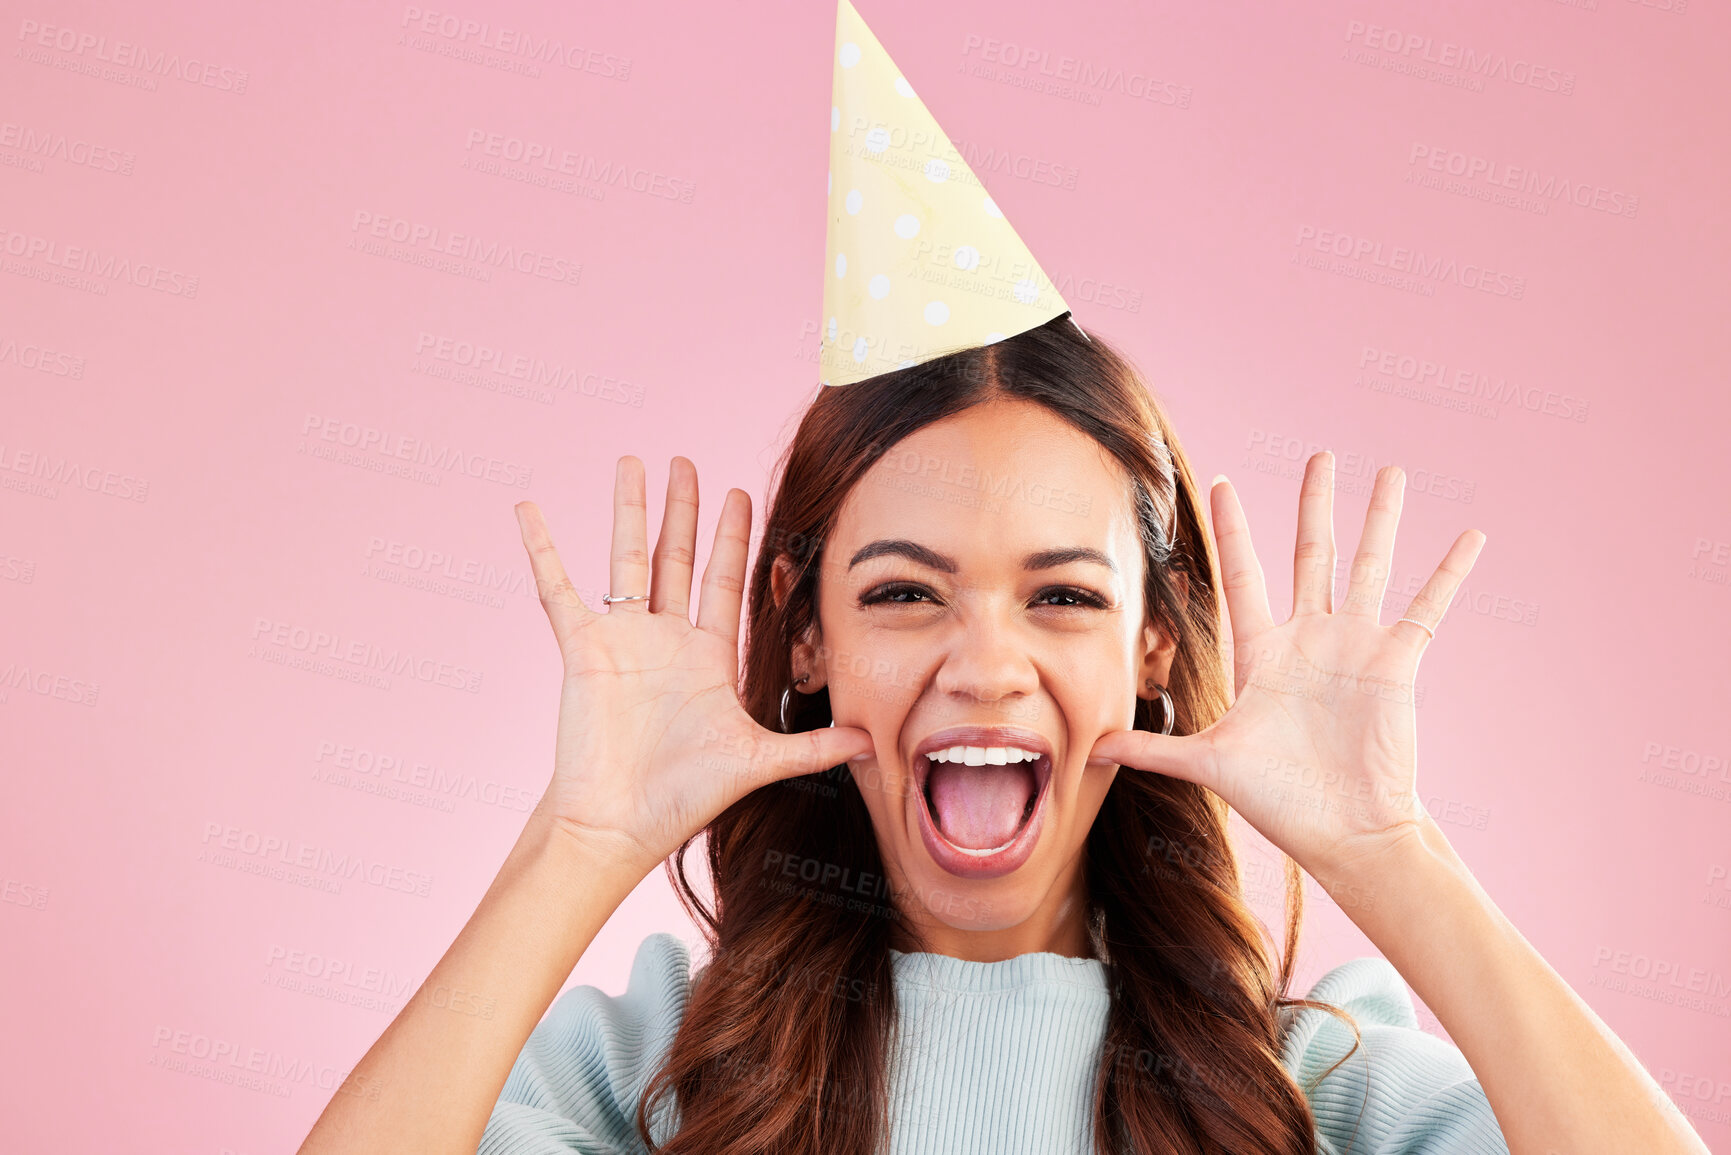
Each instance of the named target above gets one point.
<point>979,807</point>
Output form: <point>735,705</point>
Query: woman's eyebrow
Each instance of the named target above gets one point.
<point>931,558</point>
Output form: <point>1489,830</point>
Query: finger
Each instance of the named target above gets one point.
<point>1313,555</point>
<point>724,577</point>
<point>1240,571</point>
<point>1432,602</point>
<point>1370,565</point>
<point>628,570</point>
<point>676,545</point>
<point>812,751</point>
<point>565,608</point>
<point>1175,755</point>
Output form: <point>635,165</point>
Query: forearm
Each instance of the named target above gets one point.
<point>429,1083</point>
<point>1559,1080</point>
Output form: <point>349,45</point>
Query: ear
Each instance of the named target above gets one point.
<point>1155,669</point>
<point>1159,648</point>
<point>807,656</point>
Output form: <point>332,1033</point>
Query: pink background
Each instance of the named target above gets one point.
<point>163,511</point>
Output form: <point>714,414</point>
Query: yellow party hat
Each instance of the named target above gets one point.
<point>919,261</point>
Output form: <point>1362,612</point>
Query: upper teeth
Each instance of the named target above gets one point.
<point>983,755</point>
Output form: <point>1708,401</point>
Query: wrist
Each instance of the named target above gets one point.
<point>1376,876</point>
<point>565,854</point>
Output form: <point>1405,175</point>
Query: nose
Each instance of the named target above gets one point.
<point>985,661</point>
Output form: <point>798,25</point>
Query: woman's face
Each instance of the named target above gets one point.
<point>983,589</point>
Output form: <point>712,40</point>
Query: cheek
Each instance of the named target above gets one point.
<point>1092,796</point>
<point>886,797</point>
<point>1105,666</point>
<point>870,679</point>
<point>1096,688</point>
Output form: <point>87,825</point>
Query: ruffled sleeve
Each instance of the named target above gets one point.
<point>576,1083</point>
<point>1403,1092</point>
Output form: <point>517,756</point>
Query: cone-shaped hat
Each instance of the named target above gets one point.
<point>919,261</point>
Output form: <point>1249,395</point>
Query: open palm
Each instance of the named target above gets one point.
<point>653,741</point>
<point>1318,751</point>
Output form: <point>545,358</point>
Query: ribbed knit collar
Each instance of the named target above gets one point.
<point>945,972</point>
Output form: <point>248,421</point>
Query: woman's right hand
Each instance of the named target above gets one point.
<point>653,742</point>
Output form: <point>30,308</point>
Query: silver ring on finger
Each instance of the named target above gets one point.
<point>1420,625</point>
<point>610,599</point>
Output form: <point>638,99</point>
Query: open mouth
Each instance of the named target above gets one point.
<point>982,791</point>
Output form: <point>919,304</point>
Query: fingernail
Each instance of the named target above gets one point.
<point>865,757</point>
<point>1218,478</point>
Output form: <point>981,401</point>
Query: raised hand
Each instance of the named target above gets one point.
<point>653,742</point>
<point>1318,750</point>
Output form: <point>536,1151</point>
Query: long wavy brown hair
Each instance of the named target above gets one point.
<point>784,1043</point>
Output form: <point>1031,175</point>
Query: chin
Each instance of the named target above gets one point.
<point>961,905</point>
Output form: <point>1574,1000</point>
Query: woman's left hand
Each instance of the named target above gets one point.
<point>1317,751</point>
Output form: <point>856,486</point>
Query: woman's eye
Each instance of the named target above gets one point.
<point>1071,597</point>
<point>897,593</point>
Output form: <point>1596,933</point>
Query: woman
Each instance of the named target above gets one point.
<point>1043,946</point>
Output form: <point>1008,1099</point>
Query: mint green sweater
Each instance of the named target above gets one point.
<point>995,1057</point>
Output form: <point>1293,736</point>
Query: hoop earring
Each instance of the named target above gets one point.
<point>785,724</point>
<point>1168,712</point>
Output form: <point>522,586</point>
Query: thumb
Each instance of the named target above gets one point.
<point>1175,755</point>
<point>811,751</point>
